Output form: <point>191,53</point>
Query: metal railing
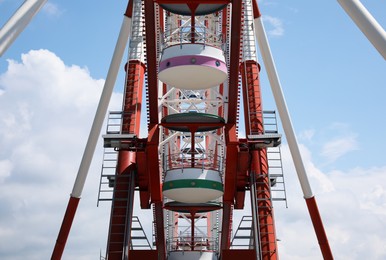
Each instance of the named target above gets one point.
<point>185,34</point>
<point>204,161</point>
<point>187,243</point>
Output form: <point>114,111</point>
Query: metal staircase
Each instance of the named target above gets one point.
<point>121,215</point>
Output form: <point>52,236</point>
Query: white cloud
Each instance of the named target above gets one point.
<point>5,169</point>
<point>352,206</point>
<point>46,110</point>
<point>275,26</point>
<point>338,147</point>
<point>307,135</point>
<point>51,9</point>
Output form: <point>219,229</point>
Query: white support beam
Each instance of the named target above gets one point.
<point>282,107</point>
<point>16,24</point>
<point>102,107</point>
<point>366,23</point>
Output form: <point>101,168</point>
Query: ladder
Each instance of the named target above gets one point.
<point>243,236</point>
<point>110,159</point>
<point>139,239</point>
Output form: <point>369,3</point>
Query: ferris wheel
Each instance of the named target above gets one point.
<point>196,61</point>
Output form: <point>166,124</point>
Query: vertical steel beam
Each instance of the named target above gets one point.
<point>259,160</point>
<point>266,228</point>
<point>153,139</point>
<point>123,202</point>
<point>160,231</point>
<point>226,226</point>
<point>230,130</point>
<point>153,170</point>
<point>151,62</point>
<point>234,62</point>
<point>255,223</point>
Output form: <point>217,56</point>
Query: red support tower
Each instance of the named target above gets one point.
<point>253,116</point>
<point>119,237</point>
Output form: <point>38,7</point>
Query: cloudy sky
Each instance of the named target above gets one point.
<point>333,79</point>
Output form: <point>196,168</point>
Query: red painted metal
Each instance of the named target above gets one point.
<point>153,164</point>
<point>193,2</point>
<point>161,20</point>
<point>256,11</point>
<point>153,137</point>
<point>235,38</point>
<point>143,180</point>
<point>192,222</point>
<point>259,162</point>
<point>151,52</point>
<point>253,110</point>
<point>259,166</point>
<point>159,229</point>
<point>192,147</point>
<point>238,254</point>
<point>229,184</point>
<point>143,254</point>
<point>231,163</point>
<point>131,120</point>
<point>123,199</point>
<point>65,228</point>
<point>242,173</point>
<point>319,229</point>
<point>226,228</point>
<point>129,9</point>
<point>156,189</point>
<point>230,129</point>
<point>117,236</point>
<point>242,158</point>
<point>193,7</point>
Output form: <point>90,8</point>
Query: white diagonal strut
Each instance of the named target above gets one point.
<point>366,23</point>
<point>282,107</point>
<point>16,24</point>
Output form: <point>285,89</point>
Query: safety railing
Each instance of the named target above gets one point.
<point>188,243</point>
<point>189,34</point>
<point>193,159</point>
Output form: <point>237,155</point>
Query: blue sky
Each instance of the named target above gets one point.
<point>333,79</point>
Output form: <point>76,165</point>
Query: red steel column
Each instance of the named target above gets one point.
<point>266,228</point>
<point>120,223</point>
<point>230,129</point>
<point>153,170</point>
<point>133,97</point>
<point>259,162</point>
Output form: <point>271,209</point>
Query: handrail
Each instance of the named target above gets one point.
<point>184,34</point>
<point>204,161</point>
<point>184,243</point>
